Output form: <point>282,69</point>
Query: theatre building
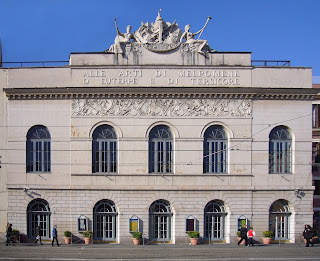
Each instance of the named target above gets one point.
<point>161,134</point>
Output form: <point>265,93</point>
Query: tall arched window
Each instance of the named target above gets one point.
<point>105,220</point>
<point>215,148</point>
<point>38,149</point>
<point>38,213</point>
<point>104,150</point>
<point>160,220</point>
<point>160,150</point>
<point>280,150</point>
<point>214,219</point>
<point>279,214</point>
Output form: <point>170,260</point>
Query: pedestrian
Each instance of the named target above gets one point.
<point>54,235</point>
<point>250,236</point>
<point>307,235</point>
<point>9,235</point>
<point>243,235</point>
<point>38,234</point>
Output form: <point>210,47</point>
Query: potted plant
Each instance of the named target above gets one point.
<point>194,237</point>
<point>267,236</point>
<point>136,238</point>
<point>67,237</point>
<point>16,235</point>
<point>87,236</point>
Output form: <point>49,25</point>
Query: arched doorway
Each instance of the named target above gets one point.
<point>160,220</point>
<point>279,215</point>
<point>214,220</point>
<point>105,221</point>
<point>38,213</point>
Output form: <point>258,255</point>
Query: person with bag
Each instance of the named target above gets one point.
<point>38,234</point>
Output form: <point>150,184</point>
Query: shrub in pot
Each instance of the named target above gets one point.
<point>67,237</point>
<point>87,236</point>
<point>194,237</point>
<point>267,236</point>
<point>136,238</point>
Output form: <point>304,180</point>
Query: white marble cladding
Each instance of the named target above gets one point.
<point>67,205</point>
<point>162,107</point>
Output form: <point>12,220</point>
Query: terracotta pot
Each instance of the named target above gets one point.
<point>87,240</point>
<point>194,241</point>
<point>67,240</point>
<point>136,241</point>
<point>266,240</point>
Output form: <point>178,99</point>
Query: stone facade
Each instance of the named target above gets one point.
<point>134,91</point>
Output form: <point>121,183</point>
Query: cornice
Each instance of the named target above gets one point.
<point>165,92</point>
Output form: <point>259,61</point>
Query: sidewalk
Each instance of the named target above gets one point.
<point>28,251</point>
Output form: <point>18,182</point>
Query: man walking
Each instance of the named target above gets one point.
<point>243,235</point>
<point>54,235</point>
<point>38,234</point>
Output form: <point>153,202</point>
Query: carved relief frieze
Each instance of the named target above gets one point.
<point>162,107</point>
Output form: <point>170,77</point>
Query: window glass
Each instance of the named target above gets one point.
<point>160,150</point>
<point>280,150</point>
<point>38,149</point>
<point>104,150</point>
<point>215,150</point>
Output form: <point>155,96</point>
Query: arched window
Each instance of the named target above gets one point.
<point>279,214</point>
<point>215,148</point>
<point>38,149</point>
<point>160,220</point>
<point>104,150</point>
<point>38,213</point>
<point>280,150</point>
<point>105,220</point>
<point>214,219</point>
<point>160,150</point>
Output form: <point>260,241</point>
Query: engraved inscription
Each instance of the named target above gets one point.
<point>152,77</point>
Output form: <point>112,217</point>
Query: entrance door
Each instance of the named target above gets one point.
<point>39,214</point>
<point>161,227</point>
<point>160,220</point>
<point>105,221</point>
<point>279,214</point>
<point>214,219</point>
<point>105,227</point>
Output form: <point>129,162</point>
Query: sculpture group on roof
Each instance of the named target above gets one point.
<point>161,36</point>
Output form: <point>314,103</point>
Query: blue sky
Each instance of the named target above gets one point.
<point>49,30</point>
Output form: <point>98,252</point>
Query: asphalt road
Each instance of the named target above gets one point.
<point>28,251</point>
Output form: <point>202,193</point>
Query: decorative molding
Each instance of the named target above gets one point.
<point>162,107</point>
<point>13,94</point>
